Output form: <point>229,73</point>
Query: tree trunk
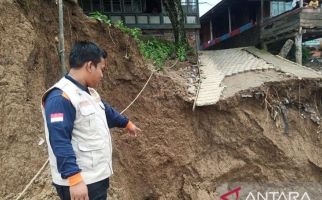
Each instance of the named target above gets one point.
<point>176,16</point>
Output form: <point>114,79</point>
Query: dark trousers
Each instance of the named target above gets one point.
<point>96,191</point>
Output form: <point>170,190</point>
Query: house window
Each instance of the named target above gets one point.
<point>86,5</point>
<point>132,6</point>
<point>191,19</point>
<point>96,5</point>
<point>128,5</point>
<point>142,19</point>
<point>129,19</point>
<point>101,5</point>
<point>155,20</point>
<point>107,5</point>
<point>115,19</point>
<point>184,5</point>
<point>192,6</point>
<point>189,6</point>
<point>166,20</point>
<point>116,5</point>
<point>279,7</point>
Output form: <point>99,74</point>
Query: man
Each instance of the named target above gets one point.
<point>314,4</point>
<point>77,126</point>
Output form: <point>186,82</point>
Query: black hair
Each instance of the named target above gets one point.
<point>84,51</point>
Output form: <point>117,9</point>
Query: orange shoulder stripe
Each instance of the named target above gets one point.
<point>65,95</point>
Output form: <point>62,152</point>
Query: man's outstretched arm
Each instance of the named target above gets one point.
<point>115,119</point>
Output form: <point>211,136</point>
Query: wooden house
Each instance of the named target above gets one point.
<point>148,15</point>
<point>233,23</point>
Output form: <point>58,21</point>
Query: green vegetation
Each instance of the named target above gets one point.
<point>305,54</point>
<point>100,17</point>
<point>157,50</point>
<point>133,32</point>
<point>151,48</point>
<point>182,52</point>
<point>154,49</point>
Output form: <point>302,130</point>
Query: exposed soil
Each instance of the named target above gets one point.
<point>180,154</point>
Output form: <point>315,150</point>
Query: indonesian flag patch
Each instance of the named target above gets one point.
<point>56,117</point>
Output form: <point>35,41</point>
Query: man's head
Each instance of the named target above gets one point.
<point>88,61</point>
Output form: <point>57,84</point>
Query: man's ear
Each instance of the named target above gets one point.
<point>88,66</point>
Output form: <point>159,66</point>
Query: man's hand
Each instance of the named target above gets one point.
<point>79,191</point>
<point>132,129</point>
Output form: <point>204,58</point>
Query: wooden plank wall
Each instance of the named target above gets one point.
<point>311,22</point>
<point>287,25</point>
<point>311,18</point>
<point>281,28</point>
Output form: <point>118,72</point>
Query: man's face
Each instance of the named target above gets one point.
<point>96,73</point>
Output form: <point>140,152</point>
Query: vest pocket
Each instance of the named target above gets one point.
<point>87,122</point>
<point>87,109</point>
<point>89,156</point>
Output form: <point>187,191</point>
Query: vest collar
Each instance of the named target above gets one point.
<point>77,83</point>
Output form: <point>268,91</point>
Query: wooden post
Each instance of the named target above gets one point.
<point>286,48</point>
<point>263,46</point>
<point>197,37</point>
<point>298,47</point>
<point>61,37</point>
<point>211,29</point>
<point>262,11</point>
<point>229,19</point>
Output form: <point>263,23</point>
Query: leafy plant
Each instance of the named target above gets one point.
<point>133,32</point>
<point>305,54</point>
<point>157,50</point>
<point>181,53</point>
<point>100,17</point>
<point>152,48</point>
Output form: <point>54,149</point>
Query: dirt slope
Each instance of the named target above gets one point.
<point>29,64</point>
<point>181,154</point>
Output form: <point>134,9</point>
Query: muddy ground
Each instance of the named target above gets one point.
<point>180,154</point>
